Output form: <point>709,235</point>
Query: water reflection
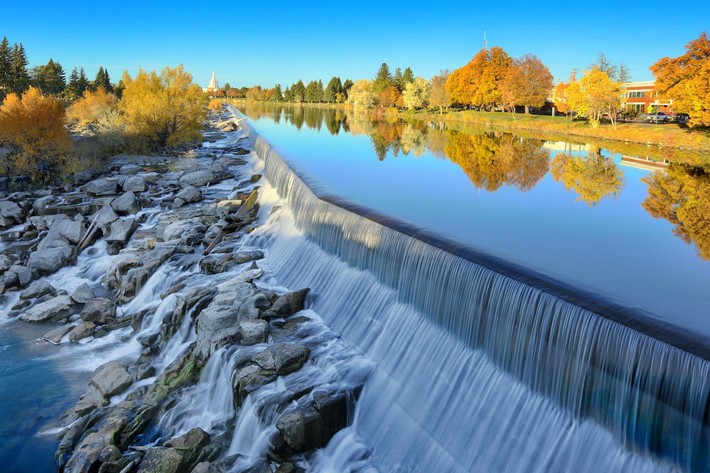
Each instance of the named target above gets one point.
<point>492,160</point>
<point>593,177</point>
<point>682,196</point>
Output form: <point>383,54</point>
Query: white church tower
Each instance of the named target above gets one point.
<point>213,85</point>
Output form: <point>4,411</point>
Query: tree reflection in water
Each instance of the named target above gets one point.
<point>593,177</point>
<point>682,196</point>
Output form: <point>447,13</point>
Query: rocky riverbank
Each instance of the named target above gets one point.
<point>146,263</point>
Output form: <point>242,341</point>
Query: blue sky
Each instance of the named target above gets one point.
<point>264,43</point>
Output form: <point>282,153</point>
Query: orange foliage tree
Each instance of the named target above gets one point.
<point>592,177</point>
<point>389,97</point>
<point>33,127</point>
<point>92,106</point>
<point>686,80</point>
<point>527,83</point>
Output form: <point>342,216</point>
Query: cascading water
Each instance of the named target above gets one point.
<point>477,370</point>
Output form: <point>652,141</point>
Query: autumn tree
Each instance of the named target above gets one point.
<point>489,92</point>
<point>600,95</point>
<point>32,126</point>
<point>528,82</point>
<point>463,82</point>
<point>416,94</point>
<point>686,80</point>
<point>361,94</point>
<point>92,106</point>
<point>592,177</point>
<point>389,97</point>
<point>682,196</point>
<point>438,95</point>
<point>166,109</point>
<point>255,93</point>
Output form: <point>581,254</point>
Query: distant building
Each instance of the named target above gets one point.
<point>640,97</point>
<point>213,85</point>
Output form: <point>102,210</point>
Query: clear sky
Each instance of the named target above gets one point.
<point>270,42</point>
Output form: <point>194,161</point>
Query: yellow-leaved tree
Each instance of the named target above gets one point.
<point>33,127</point>
<point>92,106</point>
<point>164,110</point>
<point>592,177</point>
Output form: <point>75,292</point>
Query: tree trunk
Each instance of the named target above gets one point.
<point>527,110</point>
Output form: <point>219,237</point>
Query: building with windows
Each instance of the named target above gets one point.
<point>641,98</point>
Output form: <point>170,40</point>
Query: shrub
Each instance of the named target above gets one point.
<point>215,105</point>
<point>166,109</point>
<point>33,127</point>
<point>91,107</point>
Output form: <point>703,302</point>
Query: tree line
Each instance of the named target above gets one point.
<point>50,78</point>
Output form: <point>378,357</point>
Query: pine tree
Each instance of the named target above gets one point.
<point>20,76</point>
<point>319,94</point>
<point>383,79</point>
<point>83,81</point>
<point>398,79</point>
<point>278,96</point>
<point>313,93</point>
<point>5,67</point>
<point>72,90</point>
<point>288,95</point>
<point>347,85</point>
<point>407,77</point>
<point>103,80</point>
<point>49,78</point>
<point>298,90</point>
<point>331,91</point>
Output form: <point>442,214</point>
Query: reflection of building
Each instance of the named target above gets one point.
<point>565,146</point>
<point>640,96</point>
<point>643,163</point>
<point>213,85</point>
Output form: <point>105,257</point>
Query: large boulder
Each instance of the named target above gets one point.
<point>17,276</point>
<point>37,289</point>
<point>55,336</point>
<point>111,379</point>
<point>187,195</point>
<point>82,177</point>
<point>105,217</point>
<point>53,309</point>
<point>83,330</point>
<point>196,178</point>
<point>99,311</point>
<point>282,358</point>
<point>11,211</point>
<point>190,444</point>
<point>50,260</point>
<point>83,293</point>
<point>121,230</point>
<point>303,429</point>
<point>87,453</point>
<point>71,230</point>
<point>134,184</point>
<point>162,460</point>
<point>125,204</point>
<point>101,187</point>
<point>287,304</point>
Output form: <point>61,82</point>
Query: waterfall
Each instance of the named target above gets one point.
<point>481,365</point>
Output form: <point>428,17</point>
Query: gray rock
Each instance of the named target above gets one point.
<point>206,467</point>
<point>87,454</point>
<point>101,187</point>
<point>42,204</point>
<point>48,261</point>
<point>110,453</point>
<point>130,169</point>
<point>134,184</point>
<point>83,293</point>
<point>246,256</point>
<point>37,289</point>
<point>71,230</point>
<point>99,311</point>
<point>125,204</point>
<point>11,210</point>
<point>303,429</point>
<point>253,332</point>
<point>196,178</point>
<point>53,309</point>
<point>161,460</point>
<point>282,358</point>
<point>287,304</point>
<point>250,378</point>
<point>55,336</point>
<point>189,194</point>
<point>5,263</point>
<point>190,444</point>
<point>17,276</point>
<point>144,371</point>
<point>82,177</point>
<point>111,379</point>
<point>105,217</point>
<point>83,330</point>
<point>121,230</point>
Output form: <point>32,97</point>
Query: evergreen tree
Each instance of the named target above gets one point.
<point>407,77</point>
<point>49,78</point>
<point>83,81</point>
<point>5,68</point>
<point>72,90</point>
<point>398,79</point>
<point>347,85</point>
<point>103,80</point>
<point>313,93</point>
<point>288,95</point>
<point>320,91</point>
<point>299,91</point>
<point>278,95</point>
<point>383,79</point>
<point>20,76</point>
<point>331,91</point>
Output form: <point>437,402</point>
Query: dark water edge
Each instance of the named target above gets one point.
<point>34,392</point>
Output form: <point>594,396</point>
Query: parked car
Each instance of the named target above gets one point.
<point>658,117</point>
<point>682,118</point>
